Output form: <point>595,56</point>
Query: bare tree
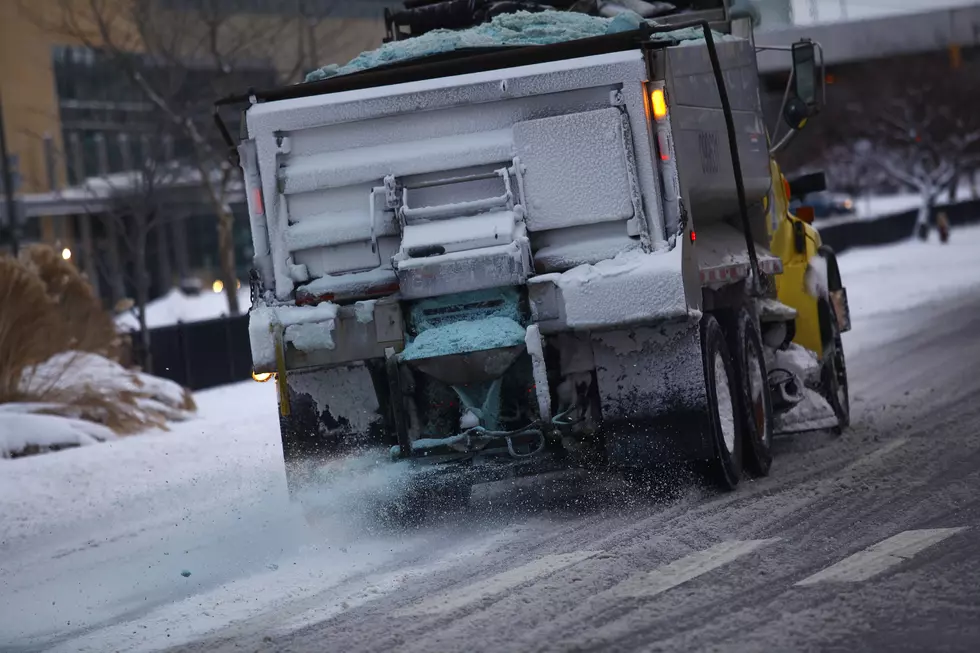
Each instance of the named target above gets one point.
<point>181,56</point>
<point>134,206</point>
<point>913,120</point>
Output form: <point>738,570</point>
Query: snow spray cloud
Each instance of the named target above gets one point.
<point>344,497</point>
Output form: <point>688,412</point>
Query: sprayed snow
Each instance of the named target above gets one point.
<point>632,287</point>
<point>465,336</point>
<point>176,307</point>
<point>22,428</point>
<point>364,311</point>
<point>815,279</point>
<point>516,29</point>
<point>308,328</point>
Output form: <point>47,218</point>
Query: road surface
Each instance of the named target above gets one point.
<point>865,542</point>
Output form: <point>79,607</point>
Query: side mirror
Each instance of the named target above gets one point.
<point>805,75</point>
<point>802,186</point>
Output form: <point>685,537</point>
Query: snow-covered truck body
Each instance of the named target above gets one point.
<point>518,257</point>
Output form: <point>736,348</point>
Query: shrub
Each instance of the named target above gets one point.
<point>60,348</point>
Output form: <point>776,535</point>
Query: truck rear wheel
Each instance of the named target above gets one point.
<point>833,373</point>
<point>755,398</point>
<point>721,385</point>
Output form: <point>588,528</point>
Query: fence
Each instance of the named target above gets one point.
<point>893,228</point>
<point>201,355</point>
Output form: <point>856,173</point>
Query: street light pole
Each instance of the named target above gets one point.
<point>8,186</point>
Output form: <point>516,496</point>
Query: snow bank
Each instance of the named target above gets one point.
<point>176,307</point>
<point>894,278</point>
<point>517,29</point>
<point>883,282</point>
<point>74,379</point>
<point>85,398</point>
<point>24,430</point>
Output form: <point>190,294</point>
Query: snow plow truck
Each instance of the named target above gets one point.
<point>547,237</point>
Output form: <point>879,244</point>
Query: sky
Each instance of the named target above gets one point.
<point>810,11</point>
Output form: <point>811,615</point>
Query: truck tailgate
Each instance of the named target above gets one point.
<point>387,183</point>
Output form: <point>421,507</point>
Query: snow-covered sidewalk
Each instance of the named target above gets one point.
<point>92,533</point>
<point>884,281</point>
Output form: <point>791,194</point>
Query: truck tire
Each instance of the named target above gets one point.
<point>755,399</point>
<point>833,372</point>
<point>721,385</point>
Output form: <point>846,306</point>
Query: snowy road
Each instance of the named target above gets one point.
<point>868,541</point>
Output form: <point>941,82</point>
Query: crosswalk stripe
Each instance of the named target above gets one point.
<point>454,599</point>
<point>879,557</point>
<point>684,569</point>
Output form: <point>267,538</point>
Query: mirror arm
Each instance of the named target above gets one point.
<point>783,142</point>
<point>823,76</point>
<point>782,105</point>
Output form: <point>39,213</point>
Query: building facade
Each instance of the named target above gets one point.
<point>80,134</point>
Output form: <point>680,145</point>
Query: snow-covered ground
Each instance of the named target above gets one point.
<point>176,307</point>
<point>95,541</point>
<point>868,207</point>
<point>884,281</point>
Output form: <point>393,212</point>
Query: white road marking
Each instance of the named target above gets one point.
<point>687,568</point>
<point>454,599</point>
<point>881,556</point>
<point>876,455</point>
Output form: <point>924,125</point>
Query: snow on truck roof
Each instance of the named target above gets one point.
<point>518,29</point>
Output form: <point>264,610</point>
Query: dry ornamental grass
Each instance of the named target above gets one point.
<point>59,350</point>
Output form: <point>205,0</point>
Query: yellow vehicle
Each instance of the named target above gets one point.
<point>811,284</point>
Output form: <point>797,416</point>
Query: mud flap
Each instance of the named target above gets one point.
<point>652,393</point>
<point>332,413</point>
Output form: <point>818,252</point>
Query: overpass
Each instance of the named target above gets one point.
<point>875,38</point>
